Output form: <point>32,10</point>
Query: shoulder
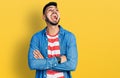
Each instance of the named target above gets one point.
<point>38,34</point>
<point>68,33</point>
<point>65,32</point>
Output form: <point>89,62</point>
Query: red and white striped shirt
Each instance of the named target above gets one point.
<point>53,51</point>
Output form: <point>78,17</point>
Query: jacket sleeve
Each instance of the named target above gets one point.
<point>71,55</point>
<point>39,64</point>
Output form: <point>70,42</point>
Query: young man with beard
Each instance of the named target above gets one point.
<point>53,50</point>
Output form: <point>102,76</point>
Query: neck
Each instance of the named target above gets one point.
<point>52,30</point>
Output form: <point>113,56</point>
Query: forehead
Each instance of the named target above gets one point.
<point>51,7</point>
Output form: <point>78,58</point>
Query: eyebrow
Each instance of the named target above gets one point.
<point>52,7</point>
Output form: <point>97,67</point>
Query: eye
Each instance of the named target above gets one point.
<point>50,10</point>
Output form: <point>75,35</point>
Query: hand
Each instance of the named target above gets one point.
<point>37,54</point>
<point>63,58</point>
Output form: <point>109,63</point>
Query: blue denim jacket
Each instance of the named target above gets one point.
<point>67,47</point>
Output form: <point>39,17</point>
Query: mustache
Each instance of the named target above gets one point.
<point>54,13</point>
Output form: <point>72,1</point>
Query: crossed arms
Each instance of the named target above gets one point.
<point>36,60</point>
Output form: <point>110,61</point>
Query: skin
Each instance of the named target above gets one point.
<point>51,14</point>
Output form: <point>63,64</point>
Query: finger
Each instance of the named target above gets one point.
<point>40,56</point>
<point>35,50</point>
<point>37,54</point>
<point>38,51</point>
<point>36,57</point>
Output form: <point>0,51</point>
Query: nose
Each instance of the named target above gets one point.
<point>54,12</point>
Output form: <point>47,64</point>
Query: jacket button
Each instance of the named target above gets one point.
<point>47,67</point>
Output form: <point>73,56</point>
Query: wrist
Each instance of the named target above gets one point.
<point>58,59</point>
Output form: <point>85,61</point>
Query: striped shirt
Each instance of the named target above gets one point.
<point>53,51</point>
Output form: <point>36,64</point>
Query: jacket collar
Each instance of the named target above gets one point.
<point>60,32</point>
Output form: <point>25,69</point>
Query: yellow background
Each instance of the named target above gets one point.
<point>95,23</point>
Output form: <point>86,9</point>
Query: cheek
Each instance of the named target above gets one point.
<point>58,13</point>
<point>48,15</point>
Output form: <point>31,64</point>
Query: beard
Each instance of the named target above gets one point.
<point>50,22</point>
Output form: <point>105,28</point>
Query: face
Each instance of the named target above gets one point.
<point>52,15</point>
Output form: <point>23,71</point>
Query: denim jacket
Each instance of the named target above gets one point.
<point>67,47</point>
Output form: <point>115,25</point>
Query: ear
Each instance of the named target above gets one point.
<point>43,17</point>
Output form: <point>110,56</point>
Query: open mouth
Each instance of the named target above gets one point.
<point>54,17</point>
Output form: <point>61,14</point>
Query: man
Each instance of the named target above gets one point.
<point>53,51</point>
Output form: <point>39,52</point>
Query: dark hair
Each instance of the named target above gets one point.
<point>49,4</point>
